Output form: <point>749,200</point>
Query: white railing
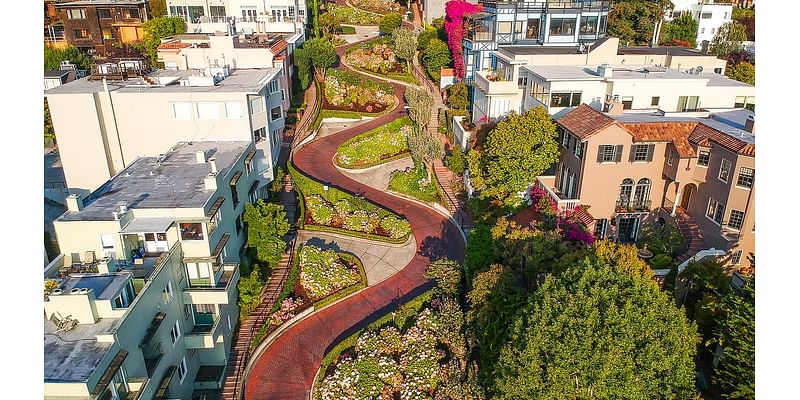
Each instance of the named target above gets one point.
<point>712,252</point>
<point>546,183</point>
<point>462,135</point>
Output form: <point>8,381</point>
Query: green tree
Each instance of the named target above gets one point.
<point>249,292</point>
<point>728,39</point>
<point>581,336</point>
<point>516,151</point>
<point>683,28</point>
<point>266,226</point>
<point>633,21</point>
<point>425,37</point>
<point>155,30</point>
<point>322,55</point>
<point>54,57</point>
<point>405,44</point>
<point>329,24</point>
<point>455,162</point>
<point>735,332</point>
<point>447,274</point>
<point>158,8</point>
<point>420,103</point>
<point>389,22</point>
<point>303,64</point>
<point>424,147</point>
<point>743,72</point>
<point>435,56</point>
<point>458,96</point>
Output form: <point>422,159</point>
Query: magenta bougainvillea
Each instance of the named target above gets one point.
<point>566,222</point>
<point>454,27</point>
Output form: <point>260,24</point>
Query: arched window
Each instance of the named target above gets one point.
<point>625,189</point>
<point>642,193</point>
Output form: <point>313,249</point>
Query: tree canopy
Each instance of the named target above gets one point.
<point>633,21</point>
<point>597,332</point>
<point>329,24</point>
<point>266,226</point>
<point>157,29</point>
<point>458,96</point>
<point>516,151</point>
<point>735,332</point>
<point>322,55</point>
<point>405,43</point>
<point>728,39</point>
<point>742,72</point>
<point>390,22</point>
<point>683,28</point>
<point>54,57</point>
<point>158,8</point>
<point>435,56</point>
<point>303,64</point>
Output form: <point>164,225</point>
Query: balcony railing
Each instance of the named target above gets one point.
<point>564,203</point>
<point>541,6</point>
<point>494,84</point>
<point>633,205</point>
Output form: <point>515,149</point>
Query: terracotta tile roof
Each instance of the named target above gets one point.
<point>278,47</point>
<point>447,72</point>
<point>584,121</point>
<point>703,135</point>
<point>584,217</point>
<point>175,44</point>
<point>676,133</point>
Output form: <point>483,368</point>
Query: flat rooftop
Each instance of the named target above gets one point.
<point>177,181</point>
<point>104,286</point>
<point>730,122</point>
<point>101,3</point>
<point>671,50</point>
<point>239,81</point>
<point>583,73</point>
<point>73,356</point>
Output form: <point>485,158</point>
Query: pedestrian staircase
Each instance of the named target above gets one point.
<point>691,232</point>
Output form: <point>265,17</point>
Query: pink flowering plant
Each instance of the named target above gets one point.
<point>566,222</point>
<point>454,27</point>
<point>374,57</point>
<point>286,312</point>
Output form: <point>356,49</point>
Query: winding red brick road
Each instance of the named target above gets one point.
<point>286,369</point>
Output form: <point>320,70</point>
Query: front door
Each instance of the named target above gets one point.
<point>687,194</point>
<point>627,228</point>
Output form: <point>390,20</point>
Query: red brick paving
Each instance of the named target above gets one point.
<point>287,367</point>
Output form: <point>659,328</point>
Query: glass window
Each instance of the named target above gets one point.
<point>588,25</point>
<point>182,370</point>
<point>107,34</point>
<point>688,103</point>
<point>217,11</point>
<point>600,228</point>
<point>671,157</point>
<point>746,176</point>
<point>560,99</point>
<point>132,12</point>
<point>518,26</point>
<point>703,157</point>
<point>504,27</point>
<point>82,34</point>
<point>233,110</point>
<point>608,153</point>
<point>654,100</point>
<point>539,92</point>
<point>182,110</point>
<point>578,151</point>
<point>522,81</point>
<point>748,102</point>
<point>736,220</point>
<point>257,105</point>
<point>724,170</point>
<point>78,13</point>
<point>625,189</point>
<point>533,29</point>
<point>715,211</point>
<point>565,138</point>
<point>191,231</point>
<point>234,195</point>
<point>103,13</point>
<point>275,113</point>
<point>207,110</point>
<point>195,12</point>
<point>175,333</point>
<point>166,294</point>
<point>736,257</point>
<point>640,152</point>
<point>627,102</point>
<point>273,86</point>
<point>239,224</point>
<point>214,221</point>
<point>562,26</point>
<point>705,15</point>
<point>259,134</point>
<point>642,193</point>
<point>603,21</point>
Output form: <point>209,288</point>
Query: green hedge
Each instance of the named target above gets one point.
<point>406,183</point>
<point>393,126</point>
<point>362,235</point>
<point>348,30</point>
<point>342,293</point>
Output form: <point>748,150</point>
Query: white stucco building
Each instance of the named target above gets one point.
<point>244,16</point>
<point>711,14</point>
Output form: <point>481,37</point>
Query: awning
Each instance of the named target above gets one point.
<point>249,157</point>
<point>221,245</point>
<point>144,225</point>
<point>112,369</point>
<point>217,204</point>
<point>164,385</point>
<point>236,177</point>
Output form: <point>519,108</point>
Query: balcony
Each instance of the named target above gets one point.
<point>218,293</point>
<point>548,184</point>
<point>545,5</point>
<point>494,84</point>
<point>202,335</point>
<point>730,233</point>
<point>152,357</point>
<point>634,205</point>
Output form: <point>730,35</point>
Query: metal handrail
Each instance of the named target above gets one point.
<point>260,321</point>
<point>300,131</point>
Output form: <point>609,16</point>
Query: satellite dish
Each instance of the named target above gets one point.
<point>698,69</point>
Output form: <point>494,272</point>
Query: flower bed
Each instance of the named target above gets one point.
<point>351,92</point>
<point>378,57</point>
<point>348,216</point>
<point>389,363</point>
<point>415,183</point>
<point>323,273</point>
<point>352,16</point>
<point>379,6</point>
<point>377,146</point>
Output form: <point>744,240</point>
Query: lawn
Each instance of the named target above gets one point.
<point>377,146</point>
<point>415,183</point>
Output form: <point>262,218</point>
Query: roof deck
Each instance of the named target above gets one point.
<point>72,356</point>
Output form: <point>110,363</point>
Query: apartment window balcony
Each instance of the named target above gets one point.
<point>218,293</point>
<point>152,358</point>
<point>635,205</point>
<point>494,83</point>
<point>562,200</point>
<point>479,27</point>
<point>202,336</point>
<point>543,6</point>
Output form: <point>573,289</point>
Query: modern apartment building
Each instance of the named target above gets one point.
<point>632,168</point>
<point>148,273</point>
<point>104,122</point>
<point>710,15</point>
<point>266,50</point>
<point>559,77</point>
<point>95,26</point>
<point>241,16</point>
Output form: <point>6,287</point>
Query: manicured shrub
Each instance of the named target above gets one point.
<point>362,221</point>
<point>375,146</point>
<point>396,226</point>
<point>323,273</point>
<point>320,209</point>
<point>389,22</point>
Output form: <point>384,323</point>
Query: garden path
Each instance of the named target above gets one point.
<point>378,176</point>
<point>380,260</point>
<point>362,32</point>
<point>286,369</point>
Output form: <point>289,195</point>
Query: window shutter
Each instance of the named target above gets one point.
<point>632,153</point>
<point>650,149</point>
<point>600,153</point>
<point>618,153</point>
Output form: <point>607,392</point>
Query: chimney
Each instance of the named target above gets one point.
<point>750,124</point>
<point>74,203</point>
<point>604,71</point>
<point>613,106</point>
<point>201,156</point>
<point>213,162</point>
<point>210,181</point>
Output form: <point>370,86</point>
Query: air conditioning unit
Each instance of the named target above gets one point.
<point>83,291</point>
<point>56,292</point>
<point>74,291</point>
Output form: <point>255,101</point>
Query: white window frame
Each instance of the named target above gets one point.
<point>169,292</point>
<point>715,211</point>
<point>80,12</point>
<point>728,174</point>
<point>257,105</point>
<point>182,110</point>
<point>207,110</point>
<point>233,110</point>
<point>636,152</point>
<point>175,333</point>
<point>730,218</point>
<point>273,109</point>
<point>613,154</point>
<point>274,86</point>
<point>182,370</point>
<point>577,151</point>
<point>739,176</point>
<point>708,161</point>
